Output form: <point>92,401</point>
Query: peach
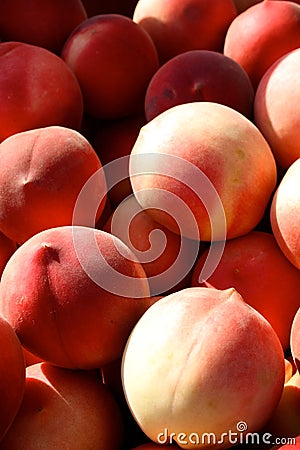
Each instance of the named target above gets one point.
<point>42,173</point>
<point>279,90</point>
<point>113,59</point>
<point>37,89</point>
<point>182,25</point>
<point>72,294</point>
<point>199,75</point>
<point>285,420</point>
<point>64,409</point>
<point>113,140</point>
<point>285,214</point>
<point>12,375</point>
<point>262,34</point>
<point>206,165</point>
<point>45,24</point>
<point>200,361</point>
<point>251,264</point>
<point>160,251</point>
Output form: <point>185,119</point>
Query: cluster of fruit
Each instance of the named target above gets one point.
<point>149,224</point>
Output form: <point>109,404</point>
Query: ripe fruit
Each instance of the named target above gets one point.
<point>181,25</point>
<point>189,360</point>
<point>199,75</point>
<point>279,90</point>
<point>207,166</point>
<point>72,296</point>
<point>37,89</point>
<point>113,59</point>
<point>262,34</point>
<point>42,173</point>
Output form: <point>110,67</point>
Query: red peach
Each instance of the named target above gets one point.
<point>64,409</point>
<point>181,25</point>
<point>45,24</point>
<point>113,59</point>
<point>72,294</point>
<point>251,264</point>
<point>285,214</point>
<point>42,172</point>
<point>262,34</point>
<point>188,363</point>
<point>199,75</point>
<point>242,5</point>
<point>204,164</point>
<point>278,91</point>
<point>37,89</point>
<point>12,376</point>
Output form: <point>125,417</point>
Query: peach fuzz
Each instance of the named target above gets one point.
<point>285,214</point>
<point>37,89</point>
<point>251,264</point>
<point>64,409</point>
<point>155,247</point>
<point>12,376</point>
<point>42,173</point>
<point>205,155</point>
<point>279,90</point>
<point>199,75</point>
<point>45,24</point>
<point>179,26</point>
<point>73,294</point>
<point>187,365</point>
<point>262,34</point>
<point>113,59</point>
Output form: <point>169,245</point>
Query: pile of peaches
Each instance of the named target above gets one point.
<point>149,224</point>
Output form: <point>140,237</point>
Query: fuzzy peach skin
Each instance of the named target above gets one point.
<point>262,34</point>
<point>64,409</point>
<point>285,214</point>
<point>12,375</point>
<point>251,264</point>
<point>37,89</point>
<point>72,294</point>
<point>178,26</point>
<point>278,91</point>
<point>42,173</point>
<point>113,59</point>
<point>196,143</point>
<point>199,75</point>
<point>46,24</point>
<point>199,361</point>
